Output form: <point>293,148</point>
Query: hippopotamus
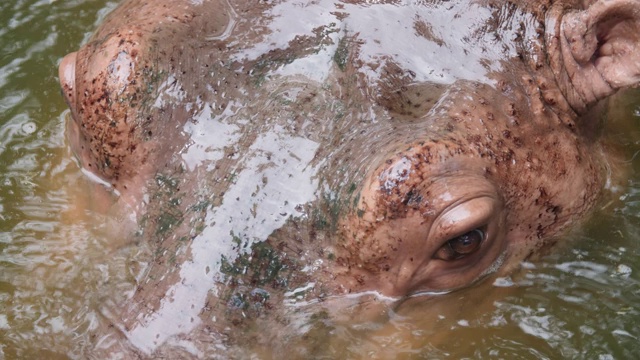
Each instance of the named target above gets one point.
<point>278,153</point>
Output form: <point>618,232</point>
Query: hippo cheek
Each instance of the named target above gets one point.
<point>67,76</point>
<point>429,229</point>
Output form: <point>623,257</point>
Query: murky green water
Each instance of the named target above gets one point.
<point>49,260</point>
<point>57,262</point>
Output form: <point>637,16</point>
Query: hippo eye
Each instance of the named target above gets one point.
<point>461,246</point>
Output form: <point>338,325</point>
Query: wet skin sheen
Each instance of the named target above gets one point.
<point>399,148</point>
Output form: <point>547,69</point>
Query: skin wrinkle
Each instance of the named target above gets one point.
<point>584,78</point>
<point>576,73</point>
<point>555,56</point>
<point>460,202</point>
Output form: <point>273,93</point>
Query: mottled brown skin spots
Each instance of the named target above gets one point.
<point>112,83</point>
<point>540,197</point>
<point>510,157</point>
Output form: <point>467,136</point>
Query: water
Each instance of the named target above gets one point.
<point>47,252</point>
<point>57,262</point>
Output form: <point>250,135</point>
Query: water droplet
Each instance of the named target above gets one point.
<point>29,128</point>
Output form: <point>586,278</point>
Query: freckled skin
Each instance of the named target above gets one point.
<point>405,166</point>
<point>116,133</point>
<point>522,136</point>
<point>539,193</point>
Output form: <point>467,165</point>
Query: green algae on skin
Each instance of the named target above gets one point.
<point>342,54</point>
<point>251,278</point>
<point>261,266</point>
<point>171,214</point>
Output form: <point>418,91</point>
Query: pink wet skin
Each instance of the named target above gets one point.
<point>440,216</point>
<point>430,252</point>
<point>77,137</point>
<point>489,174</point>
<point>97,199</point>
<point>593,53</point>
<point>67,76</point>
<point>461,201</point>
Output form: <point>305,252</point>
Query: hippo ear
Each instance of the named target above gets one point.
<point>600,50</point>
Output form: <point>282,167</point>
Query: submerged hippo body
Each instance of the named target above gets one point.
<point>281,151</point>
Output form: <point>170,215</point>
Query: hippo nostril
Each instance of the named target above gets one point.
<point>67,76</point>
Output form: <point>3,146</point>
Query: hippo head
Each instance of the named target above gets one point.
<point>368,173</point>
<point>502,170</point>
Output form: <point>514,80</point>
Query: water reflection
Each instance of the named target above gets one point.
<point>255,216</point>
<point>468,61</point>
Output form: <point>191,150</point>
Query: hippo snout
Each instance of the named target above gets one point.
<point>67,76</point>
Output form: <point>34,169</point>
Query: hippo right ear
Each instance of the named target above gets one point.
<point>595,52</point>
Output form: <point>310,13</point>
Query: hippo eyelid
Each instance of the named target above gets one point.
<point>462,217</point>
